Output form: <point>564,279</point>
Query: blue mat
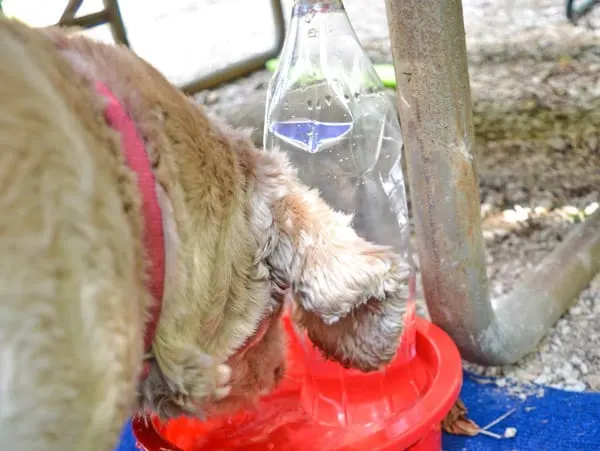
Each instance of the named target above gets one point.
<point>546,419</point>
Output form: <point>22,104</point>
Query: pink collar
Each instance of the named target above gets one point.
<point>154,244</point>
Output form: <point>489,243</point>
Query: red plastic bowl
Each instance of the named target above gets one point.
<point>321,406</point>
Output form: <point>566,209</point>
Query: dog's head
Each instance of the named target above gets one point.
<point>240,230</point>
<point>261,232</point>
<point>349,294</point>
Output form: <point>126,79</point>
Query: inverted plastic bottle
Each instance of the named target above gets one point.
<point>329,111</point>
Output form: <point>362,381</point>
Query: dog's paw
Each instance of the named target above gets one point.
<point>199,380</point>
<point>205,379</point>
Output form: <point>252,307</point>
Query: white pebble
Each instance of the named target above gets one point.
<point>577,386</point>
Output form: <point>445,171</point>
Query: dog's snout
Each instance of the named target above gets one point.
<point>278,374</point>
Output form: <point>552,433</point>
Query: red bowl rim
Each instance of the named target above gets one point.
<point>423,417</point>
<point>432,408</point>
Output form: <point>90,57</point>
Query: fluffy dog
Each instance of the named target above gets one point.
<point>237,231</point>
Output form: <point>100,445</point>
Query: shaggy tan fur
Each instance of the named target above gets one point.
<point>240,231</point>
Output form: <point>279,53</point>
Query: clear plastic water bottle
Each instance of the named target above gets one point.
<point>329,111</point>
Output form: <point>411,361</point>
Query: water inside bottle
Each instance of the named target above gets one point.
<point>349,147</point>
<point>310,135</point>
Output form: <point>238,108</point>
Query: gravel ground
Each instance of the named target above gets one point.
<point>536,91</point>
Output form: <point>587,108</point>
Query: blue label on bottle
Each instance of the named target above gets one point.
<point>310,135</point>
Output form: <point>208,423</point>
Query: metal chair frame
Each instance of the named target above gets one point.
<point>434,102</point>
<point>111,15</point>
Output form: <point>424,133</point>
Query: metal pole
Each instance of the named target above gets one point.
<point>434,102</point>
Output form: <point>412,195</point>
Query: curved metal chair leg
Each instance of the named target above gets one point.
<point>434,101</point>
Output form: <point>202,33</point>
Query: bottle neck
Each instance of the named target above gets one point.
<point>303,7</point>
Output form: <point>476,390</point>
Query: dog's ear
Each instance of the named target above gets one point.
<point>351,297</point>
<point>351,294</point>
